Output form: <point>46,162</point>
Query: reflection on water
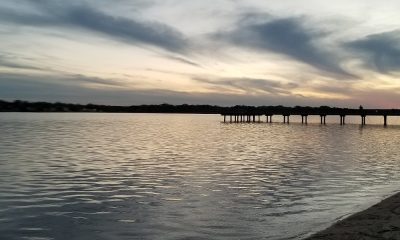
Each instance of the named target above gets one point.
<point>157,176</point>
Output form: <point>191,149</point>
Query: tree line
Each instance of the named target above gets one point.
<point>25,106</point>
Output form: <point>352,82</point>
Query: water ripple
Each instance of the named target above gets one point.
<point>159,176</point>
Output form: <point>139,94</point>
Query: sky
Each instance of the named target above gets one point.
<point>223,52</point>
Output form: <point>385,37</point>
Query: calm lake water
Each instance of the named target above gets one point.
<point>161,176</point>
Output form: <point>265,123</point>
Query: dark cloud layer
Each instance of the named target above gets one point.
<point>289,37</point>
<point>66,89</point>
<point>11,61</point>
<point>60,14</point>
<point>72,88</point>
<point>249,85</point>
<point>9,64</point>
<point>183,60</point>
<point>379,51</point>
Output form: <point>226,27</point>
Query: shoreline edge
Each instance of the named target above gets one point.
<point>380,221</point>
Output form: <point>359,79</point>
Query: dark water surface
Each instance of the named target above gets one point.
<point>159,176</point>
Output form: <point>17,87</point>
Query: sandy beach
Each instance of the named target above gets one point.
<point>381,221</point>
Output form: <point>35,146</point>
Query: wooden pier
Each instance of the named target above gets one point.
<point>239,116</point>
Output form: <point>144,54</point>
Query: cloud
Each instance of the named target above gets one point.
<point>286,36</point>
<point>12,81</point>
<point>345,89</point>
<point>65,89</point>
<point>12,61</point>
<point>61,14</point>
<point>48,75</point>
<point>82,79</point>
<point>9,64</point>
<point>73,88</point>
<point>249,85</point>
<point>379,51</point>
<point>183,60</point>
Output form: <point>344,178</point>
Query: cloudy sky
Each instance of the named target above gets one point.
<point>226,52</point>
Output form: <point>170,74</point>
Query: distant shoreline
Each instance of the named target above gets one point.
<point>381,221</point>
<point>25,106</point>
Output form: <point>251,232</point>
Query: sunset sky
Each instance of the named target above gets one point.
<point>256,52</point>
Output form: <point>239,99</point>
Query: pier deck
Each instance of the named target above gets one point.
<point>255,116</point>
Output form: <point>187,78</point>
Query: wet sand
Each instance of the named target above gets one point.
<point>381,221</point>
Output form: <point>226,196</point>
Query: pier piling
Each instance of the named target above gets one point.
<point>286,119</point>
<point>304,119</point>
<point>323,119</point>
<point>363,120</point>
<point>253,116</point>
<point>269,118</point>
<point>342,119</point>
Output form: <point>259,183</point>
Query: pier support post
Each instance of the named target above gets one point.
<point>304,119</point>
<point>323,119</point>
<point>385,120</point>
<point>286,119</point>
<point>224,118</point>
<point>230,118</point>
<point>362,120</point>
<point>342,119</point>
